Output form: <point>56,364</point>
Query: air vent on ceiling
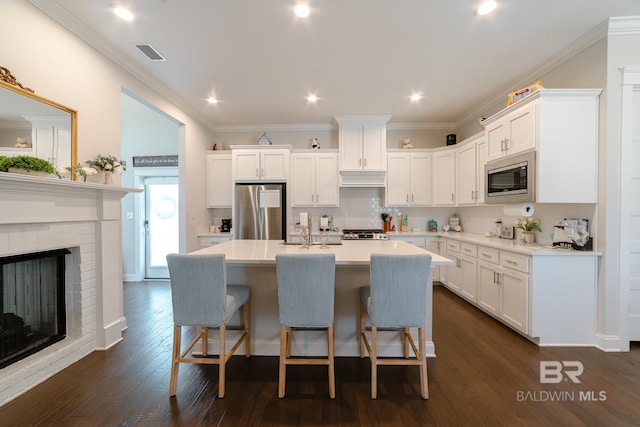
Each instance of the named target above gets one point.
<point>150,52</point>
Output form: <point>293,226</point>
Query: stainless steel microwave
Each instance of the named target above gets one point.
<point>511,179</point>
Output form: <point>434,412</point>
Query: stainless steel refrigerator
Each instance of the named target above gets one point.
<point>260,211</point>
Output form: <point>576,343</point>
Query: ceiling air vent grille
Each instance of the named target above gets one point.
<point>150,52</point>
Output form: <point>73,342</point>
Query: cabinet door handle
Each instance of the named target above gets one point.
<point>365,162</point>
<point>407,198</point>
<point>511,262</point>
<point>506,144</point>
<point>412,198</point>
<point>257,172</point>
<point>485,255</point>
<point>262,172</point>
<point>359,162</point>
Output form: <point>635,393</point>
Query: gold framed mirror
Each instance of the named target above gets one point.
<point>31,125</point>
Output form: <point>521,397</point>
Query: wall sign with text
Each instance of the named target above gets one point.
<point>154,161</point>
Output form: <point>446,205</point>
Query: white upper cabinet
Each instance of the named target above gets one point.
<point>315,179</point>
<point>470,161</point>
<point>363,149</point>
<point>444,168</point>
<point>511,133</point>
<point>260,164</point>
<point>363,142</point>
<point>219,183</point>
<point>409,178</point>
<point>562,126</point>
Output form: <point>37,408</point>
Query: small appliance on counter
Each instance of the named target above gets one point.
<point>507,232</point>
<point>226,225</point>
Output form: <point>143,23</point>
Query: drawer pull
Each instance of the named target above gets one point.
<point>511,262</point>
<point>485,255</point>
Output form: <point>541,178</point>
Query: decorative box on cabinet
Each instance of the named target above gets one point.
<point>362,148</point>
<point>408,178</point>
<point>315,178</point>
<point>219,182</point>
<point>269,163</point>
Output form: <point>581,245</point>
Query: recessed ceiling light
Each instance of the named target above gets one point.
<point>415,97</point>
<point>302,10</point>
<point>312,98</point>
<point>486,8</point>
<point>123,13</point>
<point>212,100</point>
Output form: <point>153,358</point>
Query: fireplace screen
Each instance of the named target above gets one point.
<point>32,299</point>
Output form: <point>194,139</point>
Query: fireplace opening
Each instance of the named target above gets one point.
<point>32,293</point>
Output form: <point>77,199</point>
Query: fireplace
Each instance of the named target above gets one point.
<point>32,299</point>
<point>82,218</point>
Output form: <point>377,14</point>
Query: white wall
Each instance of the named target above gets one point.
<point>145,132</point>
<point>61,67</point>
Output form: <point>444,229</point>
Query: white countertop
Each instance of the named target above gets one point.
<point>496,242</point>
<point>348,253</point>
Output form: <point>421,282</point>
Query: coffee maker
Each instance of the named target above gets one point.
<point>226,225</point>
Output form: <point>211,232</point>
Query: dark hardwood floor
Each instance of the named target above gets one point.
<point>484,375</point>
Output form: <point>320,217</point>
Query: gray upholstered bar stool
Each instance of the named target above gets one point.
<point>396,299</point>
<point>201,298</point>
<point>306,292</point>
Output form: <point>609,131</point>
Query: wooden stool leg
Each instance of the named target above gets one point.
<point>246,313</point>
<point>424,381</point>
<point>361,329</point>
<point>374,362</point>
<point>204,336</point>
<point>175,355</point>
<point>222,360</point>
<point>405,342</point>
<point>332,374</point>
<point>283,355</point>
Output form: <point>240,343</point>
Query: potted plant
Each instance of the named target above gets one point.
<point>108,164</point>
<point>528,226</point>
<point>27,164</point>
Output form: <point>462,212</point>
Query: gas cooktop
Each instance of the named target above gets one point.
<point>364,234</point>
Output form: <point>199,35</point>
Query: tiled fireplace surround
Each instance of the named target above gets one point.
<point>39,214</point>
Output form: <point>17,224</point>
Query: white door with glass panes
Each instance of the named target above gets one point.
<point>161,224</point>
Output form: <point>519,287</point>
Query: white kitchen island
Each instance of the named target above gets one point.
<point>252,262</point>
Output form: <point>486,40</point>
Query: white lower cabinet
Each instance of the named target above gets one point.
<point>462,276</point>
<point>548,297</point>
<point>504,294</point>
<point>436,245</point>
<point>213,240</point>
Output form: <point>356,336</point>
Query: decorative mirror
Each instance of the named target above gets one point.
<point>34,126</point>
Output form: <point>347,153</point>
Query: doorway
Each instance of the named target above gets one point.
<point>161,224</point>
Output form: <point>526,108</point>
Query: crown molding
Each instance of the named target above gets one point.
<point>624,26</point>
<point>498,101</point>
<point>276,128</point>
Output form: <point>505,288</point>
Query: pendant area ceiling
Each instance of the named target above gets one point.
<point>357,56</point>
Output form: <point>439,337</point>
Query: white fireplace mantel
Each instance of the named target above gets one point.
<point>44,213</point>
